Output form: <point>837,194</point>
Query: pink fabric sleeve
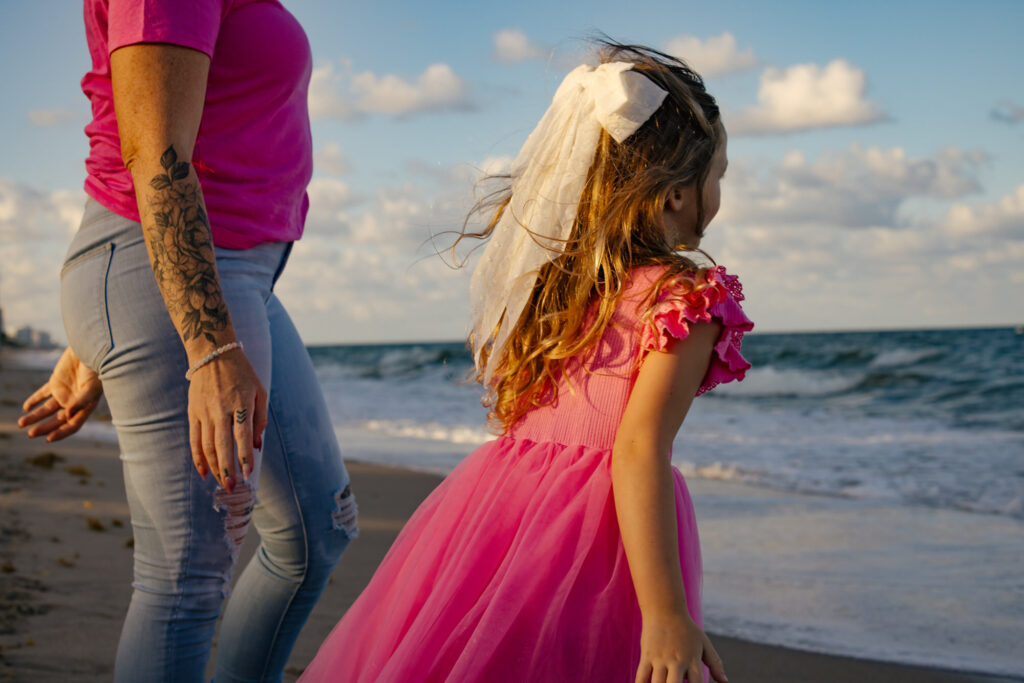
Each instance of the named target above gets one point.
<point>678,305</point>
<point>189,23</point>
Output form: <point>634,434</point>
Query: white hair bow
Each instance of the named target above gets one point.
<point>547,180</point>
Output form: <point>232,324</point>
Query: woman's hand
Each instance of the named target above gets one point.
<point>68,399</point>
<point>672,648</point>
<point>227,408</point>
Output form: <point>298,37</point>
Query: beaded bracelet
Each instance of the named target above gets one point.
<point>210,356</point>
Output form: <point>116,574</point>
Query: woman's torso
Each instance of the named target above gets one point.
<point>253,152</point>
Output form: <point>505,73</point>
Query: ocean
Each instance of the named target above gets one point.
<point>929,418</point>
<point>860,493</point>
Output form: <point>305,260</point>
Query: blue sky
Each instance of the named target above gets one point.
<point>876,177</point>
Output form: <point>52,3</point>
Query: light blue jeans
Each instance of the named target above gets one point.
<point>188,531</point>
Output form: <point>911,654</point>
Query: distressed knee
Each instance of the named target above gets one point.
<point>345,515</point>
<point>237,507</point>
<point>312,546</point>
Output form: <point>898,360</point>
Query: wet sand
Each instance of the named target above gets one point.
<point>65,564</point>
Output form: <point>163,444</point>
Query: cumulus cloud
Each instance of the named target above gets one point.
<point>1007,112</point>
<point>496,165</point>
<point>35,228</point>
<point>329,202</point>
<point>807,96</point>
<point>856,188</point>
<point>920,254</point>
<point>47,118</point>
<point>512,46</point>
<point>1004,218</point>
<point>712,56</point>
<point>329,159</point>
<point>341,93</point>
<point>825,242</point>
<point>31,214</point>
<point>370,271</point>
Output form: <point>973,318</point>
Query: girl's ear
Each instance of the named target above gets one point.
<point>676,199</point>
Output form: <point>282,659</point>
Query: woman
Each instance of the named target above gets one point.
<point>200,152</point>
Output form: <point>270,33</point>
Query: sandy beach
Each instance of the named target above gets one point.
<point>65,563</point>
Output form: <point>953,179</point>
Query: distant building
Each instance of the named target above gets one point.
<point>41,339</point>
<point>31,338</point>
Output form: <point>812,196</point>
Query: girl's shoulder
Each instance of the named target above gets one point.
<point>666,307</point>
<point>649,285</point>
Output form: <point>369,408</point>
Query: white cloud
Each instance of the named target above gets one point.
<point>329,159</point>
<point>855,188</point>
<point>712,56</point>
<point>370,270</point>
<point>807,96</point>
<point>46,118</point>
<point>35,229</point>
<point>496,165</point>
<point>511,46</point>
<point>344,94</point>
<point>327,98</point>
<point>29,214</point>
<point>1004,218</point>
<point>329,202</point>
<point>786,231</point>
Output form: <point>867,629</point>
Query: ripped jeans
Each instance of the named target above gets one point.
<point>187,531</point>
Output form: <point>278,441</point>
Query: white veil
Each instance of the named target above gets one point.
<point>548,177</point>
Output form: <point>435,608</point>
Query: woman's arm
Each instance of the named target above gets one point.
<point>671,643</point>
<point>159,91</point>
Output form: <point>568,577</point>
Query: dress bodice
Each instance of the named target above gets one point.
<point>593,391</point>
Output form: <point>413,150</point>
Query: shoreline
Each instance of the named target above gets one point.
<point>65,568</point>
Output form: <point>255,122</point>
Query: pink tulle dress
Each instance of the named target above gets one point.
<point>513,570</point>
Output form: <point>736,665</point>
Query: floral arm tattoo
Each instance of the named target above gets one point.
<point>182,252</point>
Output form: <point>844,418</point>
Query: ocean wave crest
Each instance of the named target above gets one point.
<point>431,431</point>
<point>902,357</point>
<point>770,382</point>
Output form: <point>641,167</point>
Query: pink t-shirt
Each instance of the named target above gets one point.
<point>254,153</point>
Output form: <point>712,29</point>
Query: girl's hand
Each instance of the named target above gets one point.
<point>68,399</point>
<point>227,409</point>
<point>671,650</point>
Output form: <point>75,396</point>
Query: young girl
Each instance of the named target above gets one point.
<point>567,549</point>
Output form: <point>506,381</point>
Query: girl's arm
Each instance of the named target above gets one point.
<point>672,646</point>
<point>159,91</point>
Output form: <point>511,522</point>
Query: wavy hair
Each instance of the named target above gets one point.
<point>618,227</point>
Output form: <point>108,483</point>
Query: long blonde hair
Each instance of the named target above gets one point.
<point>618,227</point>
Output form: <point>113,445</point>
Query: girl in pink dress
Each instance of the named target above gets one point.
<point>567,549</point>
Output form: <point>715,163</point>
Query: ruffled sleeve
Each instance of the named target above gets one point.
<point>678,305</point>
